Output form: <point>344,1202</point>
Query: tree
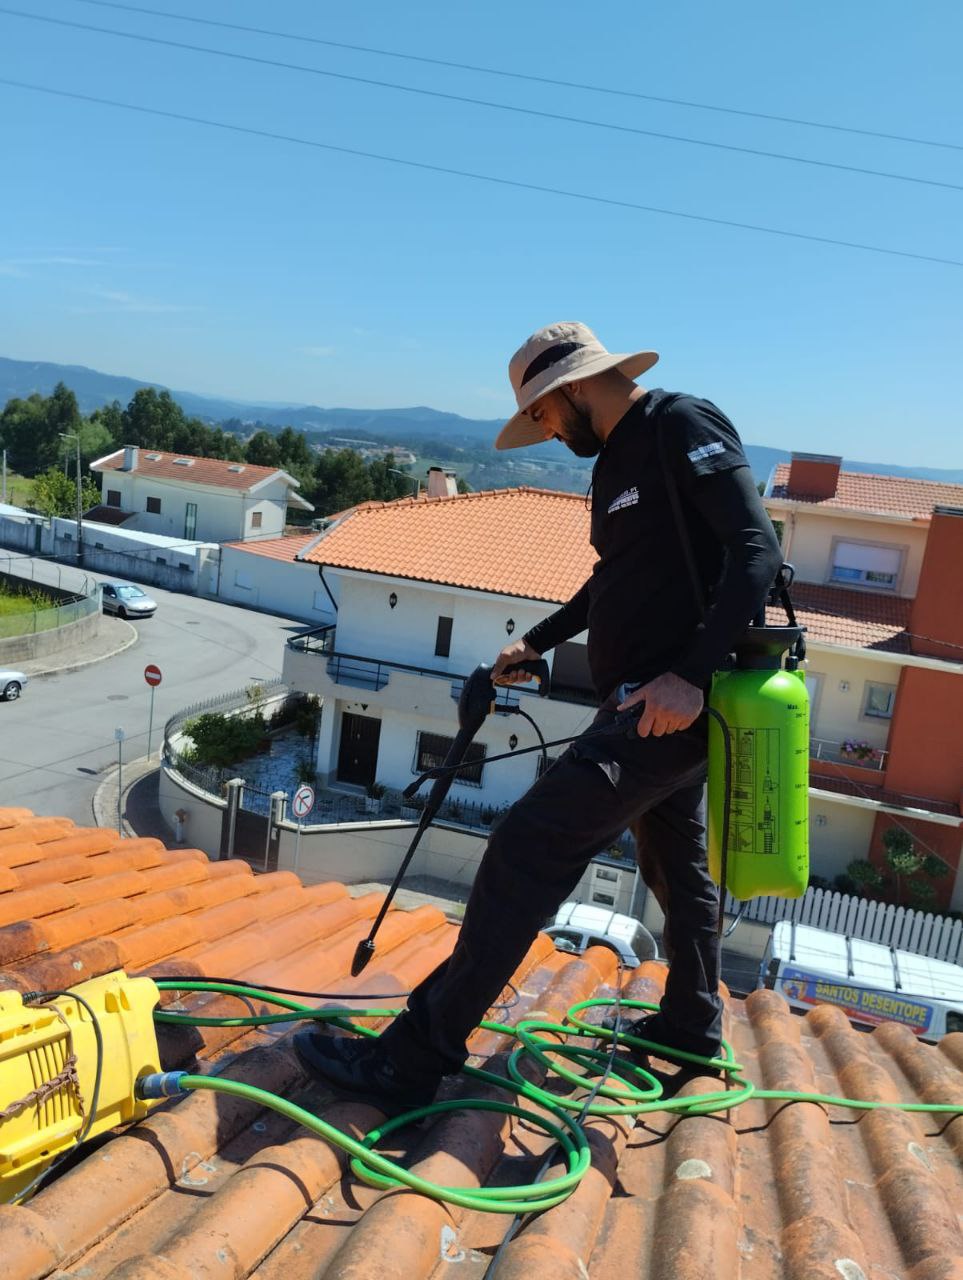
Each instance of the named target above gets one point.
<point>111,418</point>
<point>55,494</point>
<point>24,433</point>
<point>341,480</point>
<point>262,450</point>
<point>901,857</point>
<point>152,418</point>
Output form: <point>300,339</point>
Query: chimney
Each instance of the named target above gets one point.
<point>937,611</point>
<point>813,475</point>
<point>441,484</point>
<point>130,457</point>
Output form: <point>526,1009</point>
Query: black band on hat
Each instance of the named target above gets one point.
<point>550,356</point>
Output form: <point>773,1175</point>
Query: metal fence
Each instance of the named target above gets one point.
<point>904,928</point>
<point>43,611</point>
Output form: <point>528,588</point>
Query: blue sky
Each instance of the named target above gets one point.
<point>242,266</point>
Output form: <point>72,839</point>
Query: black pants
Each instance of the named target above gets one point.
<point>533,862</point>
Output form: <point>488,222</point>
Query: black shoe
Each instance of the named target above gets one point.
<point>358,1065</point>
<point>671,1043</point>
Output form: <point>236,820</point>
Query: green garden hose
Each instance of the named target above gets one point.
<point>629,1090</point>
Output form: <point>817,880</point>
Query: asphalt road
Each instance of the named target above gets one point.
<point>57,740</point>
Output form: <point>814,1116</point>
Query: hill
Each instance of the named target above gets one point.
<point>416,425</point>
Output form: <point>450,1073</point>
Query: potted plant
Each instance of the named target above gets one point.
<point>374,794</point>
<point>858,752</point>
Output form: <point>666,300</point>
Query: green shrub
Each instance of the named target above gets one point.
<point>223,740</point>
<point>305,770</point>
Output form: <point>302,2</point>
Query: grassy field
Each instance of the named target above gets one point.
<point>19,489</point>
<point>23,612</point>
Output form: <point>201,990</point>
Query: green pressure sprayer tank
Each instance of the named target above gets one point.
<point>765,707</point>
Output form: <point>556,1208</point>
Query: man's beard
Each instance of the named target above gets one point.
<point>580,437</point>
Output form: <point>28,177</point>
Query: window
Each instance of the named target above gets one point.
<point>153,505</point>
<point>605,873</point>
<point>866,564</point>
<point>878,701</point>
<point>255,519</point>
<point>113,497</point>
<point>431,752</point>
<point>443,638</point>
<point>606,899</point>
<point>190,519</point>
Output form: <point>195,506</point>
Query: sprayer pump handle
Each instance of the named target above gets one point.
<point>537,668</point>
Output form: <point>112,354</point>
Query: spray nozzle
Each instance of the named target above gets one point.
<point>362,955</point>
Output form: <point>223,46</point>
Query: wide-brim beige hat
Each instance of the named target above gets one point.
<point>551,358</point>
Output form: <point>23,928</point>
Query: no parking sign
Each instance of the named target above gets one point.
<point>303,801</point>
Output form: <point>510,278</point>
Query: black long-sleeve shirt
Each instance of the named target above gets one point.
<point>639,605</point>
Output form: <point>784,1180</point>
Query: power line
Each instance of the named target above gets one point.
<point>756,152</point>
<point>531,79</point>
<point>514,183</point>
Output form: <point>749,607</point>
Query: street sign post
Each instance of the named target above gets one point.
<point>302,805</point>
<point>152,674</point>
<point>119,739</point>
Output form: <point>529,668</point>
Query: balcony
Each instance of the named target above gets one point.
<point>373,674</point>
<point>863,757</point>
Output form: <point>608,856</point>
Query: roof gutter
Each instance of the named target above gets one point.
<point>880,655</point>
<point>845,513</point>
<point>334,603</point>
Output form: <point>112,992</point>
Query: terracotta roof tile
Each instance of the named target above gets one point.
<point>847,616</point>
<point>286,548</point>
<point>880,495</point>
<point>517,542</point>
<point>210,471</point>
<point>211,1186</point>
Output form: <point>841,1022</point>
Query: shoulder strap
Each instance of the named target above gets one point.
<point>676,504</point>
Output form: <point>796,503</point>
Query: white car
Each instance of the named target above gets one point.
<point>126,600</point>
<point>578,926</point>
<point>11,684</point>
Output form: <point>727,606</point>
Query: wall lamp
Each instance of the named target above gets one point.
<point>513,742</point>
<point>510,625</point>
<point>392,600</point>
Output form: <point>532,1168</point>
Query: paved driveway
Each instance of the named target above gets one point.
<point>56,741</point>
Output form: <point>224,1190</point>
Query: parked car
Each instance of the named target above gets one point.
<point>126,600</point>
<point>11,684</point>
<point>578,926</point>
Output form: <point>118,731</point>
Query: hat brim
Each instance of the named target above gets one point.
<point>520,430</point>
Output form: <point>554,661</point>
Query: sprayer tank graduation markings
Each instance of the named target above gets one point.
<point>756,752</point>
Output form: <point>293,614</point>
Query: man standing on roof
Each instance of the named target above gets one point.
<point>648,642</point>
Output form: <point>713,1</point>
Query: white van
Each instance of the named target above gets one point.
<point>871,982</point>
<point>578,926</point>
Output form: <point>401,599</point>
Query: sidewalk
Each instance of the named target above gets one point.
<point>114,635</point>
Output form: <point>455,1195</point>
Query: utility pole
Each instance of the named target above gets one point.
<point>3,492</point>
<point>65,435</point>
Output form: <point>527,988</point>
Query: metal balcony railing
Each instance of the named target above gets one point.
<point>362,672</point>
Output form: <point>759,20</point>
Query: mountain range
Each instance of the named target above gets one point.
<point>20,378</point>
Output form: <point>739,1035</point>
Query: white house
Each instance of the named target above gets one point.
<point>427,589</point>
<point>265,574</point>
<point>197,499</point>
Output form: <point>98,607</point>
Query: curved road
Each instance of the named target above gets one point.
<point>57,741</point>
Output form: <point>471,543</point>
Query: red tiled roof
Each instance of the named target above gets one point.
<point>212,471</point>
<point>523,542</point>
<point>880,495</point>
<point>213,1187</point>
<point>276,548</point>
<point>847,616</point>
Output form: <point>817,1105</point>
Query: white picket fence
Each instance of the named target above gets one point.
<point>901,927</point>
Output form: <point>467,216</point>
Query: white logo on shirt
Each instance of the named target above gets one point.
<point>706,451</point>
<point>627,499</point>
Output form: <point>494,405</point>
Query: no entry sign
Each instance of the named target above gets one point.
<point>152,675</point>
<point>303,801</point>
